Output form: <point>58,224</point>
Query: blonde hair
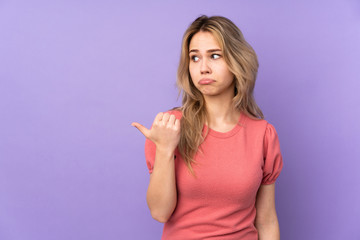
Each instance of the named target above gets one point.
<point>242,62</point>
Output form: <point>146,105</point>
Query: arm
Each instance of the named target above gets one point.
<point>266,220</point>
<point>161,196</point>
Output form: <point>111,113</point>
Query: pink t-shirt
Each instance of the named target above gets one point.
<point>220,203</point>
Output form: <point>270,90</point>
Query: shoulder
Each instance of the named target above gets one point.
<point>260,126</point>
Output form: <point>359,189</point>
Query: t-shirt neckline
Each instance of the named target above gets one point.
<point>229,133</point>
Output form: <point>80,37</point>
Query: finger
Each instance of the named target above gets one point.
<point>159,117</point>
<point>141,128</point>
<point>165,118</point>
<point>177,124</point>
<point>171,120</point>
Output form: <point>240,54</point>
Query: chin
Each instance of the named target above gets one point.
<point>209,93</point>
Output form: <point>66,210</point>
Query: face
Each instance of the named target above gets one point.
<point>208,69</point>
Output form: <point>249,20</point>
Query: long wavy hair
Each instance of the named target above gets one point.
<point>242,62</point>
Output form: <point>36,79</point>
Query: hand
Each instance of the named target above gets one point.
<point>165,131</point>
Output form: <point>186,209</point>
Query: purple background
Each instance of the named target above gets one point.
<point>75,74</point>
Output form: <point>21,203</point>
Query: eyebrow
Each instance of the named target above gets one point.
<point>210,50</point>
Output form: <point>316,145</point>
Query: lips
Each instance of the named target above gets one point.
<point>206,81</point>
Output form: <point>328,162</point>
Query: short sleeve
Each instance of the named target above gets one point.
<point>273,162</point>
<point>150,151</point>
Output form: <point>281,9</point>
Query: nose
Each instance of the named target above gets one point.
<point>204,67</point>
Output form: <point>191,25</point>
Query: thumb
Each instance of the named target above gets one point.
<point>141,128</point>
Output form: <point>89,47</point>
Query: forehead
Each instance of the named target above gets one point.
<point>203,41</point>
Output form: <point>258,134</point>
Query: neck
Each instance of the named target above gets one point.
<point>221,110</point>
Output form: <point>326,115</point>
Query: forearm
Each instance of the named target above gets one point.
<point>269,230</point>
<point>161,194</point>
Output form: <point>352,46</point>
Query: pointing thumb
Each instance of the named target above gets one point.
<point>141,128</point>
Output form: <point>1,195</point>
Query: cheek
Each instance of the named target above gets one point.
<point>191,68</point>
<point>221,71</point>
<point>192,72</point>
<point>226,73</point>
<point>231,75</point>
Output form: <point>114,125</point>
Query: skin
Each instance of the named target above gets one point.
<point>205,63</point>
<point>266,220</point>
<point>165,131</point>
<point>161,195</point>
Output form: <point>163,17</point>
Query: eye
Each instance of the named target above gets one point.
<point>218,56</point>
<point>194,58</point>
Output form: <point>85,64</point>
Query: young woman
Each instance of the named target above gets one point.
<point>213,161</point>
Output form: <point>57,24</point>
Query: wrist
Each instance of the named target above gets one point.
<point>165,150</point>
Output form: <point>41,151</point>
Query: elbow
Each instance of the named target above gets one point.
<point>160,217</point>
<point>162,214</point>
<point>162,220</point>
